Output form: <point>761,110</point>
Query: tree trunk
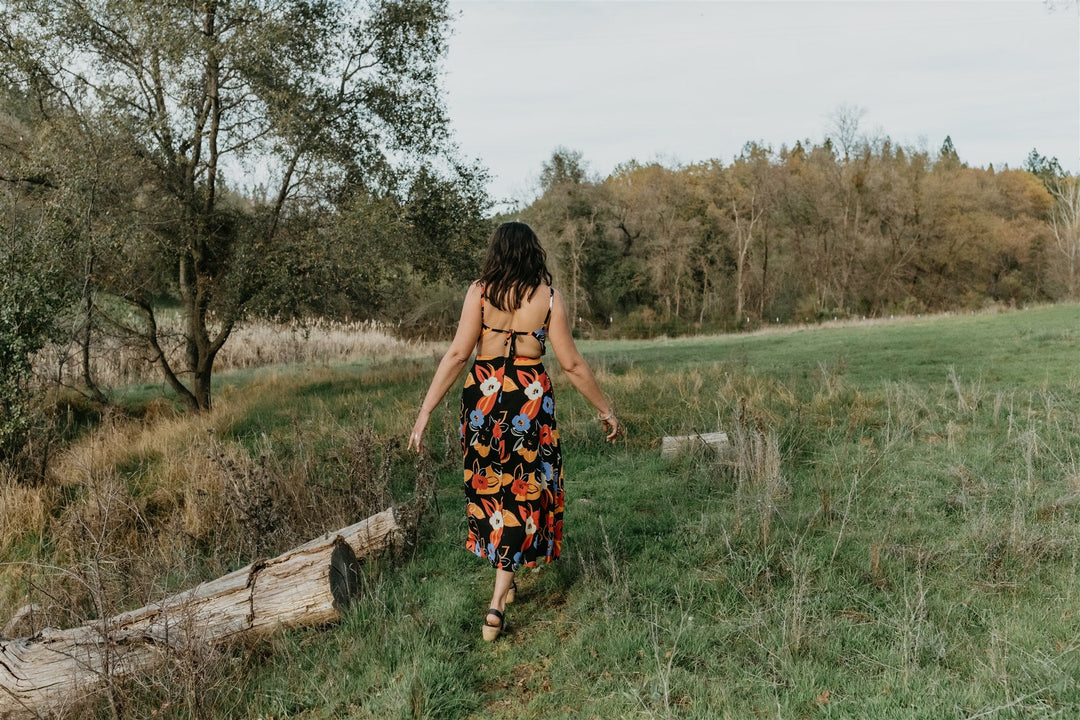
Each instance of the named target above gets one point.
<point>88,327</point>
<point>308,585</point>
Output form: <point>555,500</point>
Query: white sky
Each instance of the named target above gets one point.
<point>682,82</point>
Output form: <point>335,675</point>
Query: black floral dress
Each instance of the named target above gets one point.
<point>513,466</point>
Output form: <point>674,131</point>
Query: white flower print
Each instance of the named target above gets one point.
<point>491,385</point>
<point>496,520</point>
<point>530,526</point>
<point>534,390</point>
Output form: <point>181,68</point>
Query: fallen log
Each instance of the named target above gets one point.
<point>672,445</point>
<point>308,585</point>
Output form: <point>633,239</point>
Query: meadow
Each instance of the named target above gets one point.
<point>893,533</point>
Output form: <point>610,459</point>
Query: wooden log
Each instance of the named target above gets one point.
<point>674,444</point>
<point>23,617</point>
<point>308,585</point>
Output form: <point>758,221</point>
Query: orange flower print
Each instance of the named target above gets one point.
<point>520,488</point>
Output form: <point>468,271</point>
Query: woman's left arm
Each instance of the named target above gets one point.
<point>451,365</point>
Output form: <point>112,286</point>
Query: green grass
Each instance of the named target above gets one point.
<point>915,556</point>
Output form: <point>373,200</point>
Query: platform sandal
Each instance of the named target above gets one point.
<point>492,631</point>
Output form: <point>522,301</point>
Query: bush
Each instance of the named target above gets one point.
<point>31,297</point>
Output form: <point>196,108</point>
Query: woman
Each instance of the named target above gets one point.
<point>513,463</point>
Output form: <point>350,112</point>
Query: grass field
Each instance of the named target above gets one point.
<point>893,534</point>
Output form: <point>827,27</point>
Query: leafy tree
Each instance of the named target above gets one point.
<point>310,102</point>
<point>32,287</point>
<point>947,155</point>
<point>748,204</point>
<point>664,214</point>
<point>1046,169</point>
<point>566,167</point>
<point>569,220</point>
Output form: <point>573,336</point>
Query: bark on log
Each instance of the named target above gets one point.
<point>308,585</point>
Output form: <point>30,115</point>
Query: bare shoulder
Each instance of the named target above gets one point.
<point>558,308</point>
<point>476,288</point>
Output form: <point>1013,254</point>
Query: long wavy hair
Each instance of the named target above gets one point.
<point>515,265</point>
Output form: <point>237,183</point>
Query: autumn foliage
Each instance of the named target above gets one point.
<point>795,235</point>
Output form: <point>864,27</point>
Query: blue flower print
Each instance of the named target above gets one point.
<point>521,423</point>
<point>546,467</point>
<point>547,404</point>
<point>476,418</point>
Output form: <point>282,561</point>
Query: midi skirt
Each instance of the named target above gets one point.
<point>513,467</point>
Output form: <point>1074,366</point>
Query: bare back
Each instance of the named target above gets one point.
<point>523,322</point>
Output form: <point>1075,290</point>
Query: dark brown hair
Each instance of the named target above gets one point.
<point>515,265</point>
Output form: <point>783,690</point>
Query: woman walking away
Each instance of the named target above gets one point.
<point>509,438</point>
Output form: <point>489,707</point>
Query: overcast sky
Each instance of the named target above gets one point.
<point>681,82</point>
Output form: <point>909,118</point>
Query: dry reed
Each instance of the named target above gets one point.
<point>116,359</point>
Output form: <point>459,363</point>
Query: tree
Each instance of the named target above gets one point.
<point>31,288</point>
<point>748,203</point>
<point>566,167</point>
<point>568,217</point>
<point>845,121</point>
<point>948,155</point>
<point>1065,225</point>
<point>1046,169</point>
<point>312,102</point>
<point>659,211</point>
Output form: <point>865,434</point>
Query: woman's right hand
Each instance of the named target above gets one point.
<point>611,426</point>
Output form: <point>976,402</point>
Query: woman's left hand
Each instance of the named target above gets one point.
<point>416,437</point>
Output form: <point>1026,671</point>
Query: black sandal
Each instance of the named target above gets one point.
<point>492,631</point>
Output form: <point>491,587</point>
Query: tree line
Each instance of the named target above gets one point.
<point>849,226</point>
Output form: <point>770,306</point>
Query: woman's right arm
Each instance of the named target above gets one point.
<point>575,367</point>
<point>452,363</point>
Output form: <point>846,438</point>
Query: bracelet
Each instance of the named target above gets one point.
<point>606,418</point>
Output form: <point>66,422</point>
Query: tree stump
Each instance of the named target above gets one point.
<point>674,444</point>
<point>308,585</point>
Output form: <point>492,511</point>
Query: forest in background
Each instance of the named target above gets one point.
<point>847,227</point>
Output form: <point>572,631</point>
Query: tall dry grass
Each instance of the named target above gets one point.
<point>143,507</point>
<point>23,508</point>
<point>116,359</point>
